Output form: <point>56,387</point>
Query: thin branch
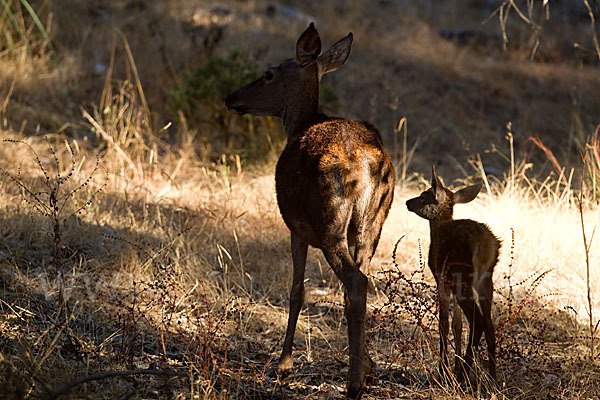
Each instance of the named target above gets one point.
<point>36,158</point>
<point>587,264</point>
<point>38,205</point>
<point>526,19</point>
<point>66,388</point>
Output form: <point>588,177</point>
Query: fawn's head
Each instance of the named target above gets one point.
<point>437,203</point>
<point>294,84</point>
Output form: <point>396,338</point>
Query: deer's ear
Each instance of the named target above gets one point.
<point>336,55</point>
<point>436,182</point>
<point>467,194</point>
<point>437,186</point>
<point>308,46</point>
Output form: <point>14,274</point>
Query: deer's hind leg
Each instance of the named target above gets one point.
<point>485,258</point>
<point>368,224</point>
<point>355,288</point>
<point>471,311</point>
<point>485,292</point>
<point>334,239</point>
<point>459,368</point>
<point>364,249</point>
<point>443,301</point>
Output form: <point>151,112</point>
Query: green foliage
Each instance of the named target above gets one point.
<point>204,89</point>
<point>213,81</point>
<point>14,22</point>
<point>198,104</point>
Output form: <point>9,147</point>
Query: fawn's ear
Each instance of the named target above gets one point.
<point>308,46</point>
<point>437,186</point>
<point>436,182</point>
<point>336,55</point>
<point>467,194</point>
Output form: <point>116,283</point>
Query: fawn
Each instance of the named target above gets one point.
<point>334,183</point>
<point>462,257</point>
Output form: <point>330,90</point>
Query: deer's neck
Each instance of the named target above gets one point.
<point>302,109</point>
<point>295,121</point>
<point>434,225</point>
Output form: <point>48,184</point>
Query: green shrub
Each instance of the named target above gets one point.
<point>199,100</point>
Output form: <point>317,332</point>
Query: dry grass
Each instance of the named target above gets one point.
<point>202,255</point>
<point>175,278</point>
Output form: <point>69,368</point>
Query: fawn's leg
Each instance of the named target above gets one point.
<point>443,328</point>
<point>459,369</point>
<point>469,307</point>
<point>299,250</point>
<point>485,292</point>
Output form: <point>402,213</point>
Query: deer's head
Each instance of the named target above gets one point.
<point>294,84</point>
<point>438,201</point>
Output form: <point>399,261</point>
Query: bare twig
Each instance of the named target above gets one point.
<point>587,280</point>
<point>66,388</point>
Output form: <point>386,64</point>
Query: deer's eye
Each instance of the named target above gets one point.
<point>268,75</point>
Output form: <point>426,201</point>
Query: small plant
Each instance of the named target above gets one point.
<point>408,316</point>
<point>519,347</point>
<point>586,246</point>
<point>56,200</point>
<point>187,325</point>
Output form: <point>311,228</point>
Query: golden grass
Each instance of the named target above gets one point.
<point>228,255</point>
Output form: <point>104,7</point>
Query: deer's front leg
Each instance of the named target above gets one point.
<point>299,250</point>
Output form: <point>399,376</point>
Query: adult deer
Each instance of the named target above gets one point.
<point>462,257</point>
<point>334,183</point>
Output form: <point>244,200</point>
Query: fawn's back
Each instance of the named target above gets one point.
<point>466,249</point>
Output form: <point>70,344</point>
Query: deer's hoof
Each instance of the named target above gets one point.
<point>461,371</point>
<point>370,365</point>
<point>370,371</point>
<point>285,365</point>
<point>354,392</point>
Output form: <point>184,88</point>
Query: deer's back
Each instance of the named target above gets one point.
<point>332,171</point>
<point>457,241</point>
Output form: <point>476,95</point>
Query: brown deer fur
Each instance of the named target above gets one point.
<point>462,257</point>
<point>334,183</point>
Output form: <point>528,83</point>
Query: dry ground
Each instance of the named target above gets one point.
<point>181,262</point>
